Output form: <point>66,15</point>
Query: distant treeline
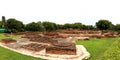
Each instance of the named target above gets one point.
<point>18,26</point>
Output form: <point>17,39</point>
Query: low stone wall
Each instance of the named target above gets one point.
<point>55,50</point>
<point>34,47</point>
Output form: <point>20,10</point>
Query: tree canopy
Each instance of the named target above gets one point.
<point>18,26</point>
<point>103,24</point>
<point>34,26</point>
<point>49,26</point>
<point>14,25</point>
<point>0,24</point>
<point>77,25</point>
<point>3,21</point>
<point>117,27</point>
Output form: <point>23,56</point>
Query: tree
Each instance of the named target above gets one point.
<point>77,25</point>
<point>49,26</point>
<point>0,24</point>
<point>103,24</point>
<point>89,27</point>
<point>67,25</point>
<point>41,28</point>
<point>3,21</point>
<point>117,27</point>
<point>14,25</point>
<point>59,26</point>
<point>112,27</point>
<point>34,26</point>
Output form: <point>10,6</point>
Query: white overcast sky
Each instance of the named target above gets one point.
<point>61,11</point>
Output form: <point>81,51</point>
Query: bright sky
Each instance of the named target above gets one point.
<point>61,11</point>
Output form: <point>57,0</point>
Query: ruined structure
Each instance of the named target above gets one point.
<point>7,41</point>
<point>34,47</point>
<point>62,48</point>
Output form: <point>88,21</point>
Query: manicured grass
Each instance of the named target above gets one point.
<point>6,54</point>
<point>2,36</point>
<point>113,53</point>
<point>97,47</point>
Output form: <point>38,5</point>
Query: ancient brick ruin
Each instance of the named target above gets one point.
<point>62,48</point>
<point>60,41</point>
<point>7,41</point>
<point>34,47</point>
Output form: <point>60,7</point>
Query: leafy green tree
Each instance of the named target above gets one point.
<point>0,24</point>
<point>103,24</point>
<point>84,27</point>
<point>74,26</point>
<point>34,26</point>
<point>77,25</point>
<point>89,27</point>
<point>59,26</point>
<point>112,27</point>
<point>14,25</point>
<point>117,27</point>
<point>67,25</point>
<point>3,21</point>
<point>49,26</point>
<point>41,28</point>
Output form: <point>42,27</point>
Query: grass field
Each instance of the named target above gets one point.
<point>6,54</point>
<point>2,36</point>
<point>113,52</point>
<point>98,47</point>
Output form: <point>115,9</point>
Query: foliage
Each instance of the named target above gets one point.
<point>59,26</point>
<point>14,25</point>
<point>67,25</point>
<point>117,27</point>
<point>0,24</point>
<point>103,24</point>
<point>89,27</point>
<point>77,26</point>
<point>34,26</point>
<point>18,26</point>
<point>41,26</point>
<point>3,21</point>
<point>96,47</point>
<point>49,26</point>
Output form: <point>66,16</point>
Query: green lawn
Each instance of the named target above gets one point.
<point>2,36</point>
<point>97,47</point>
<point>6,54</point>
<point>113,52</point>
